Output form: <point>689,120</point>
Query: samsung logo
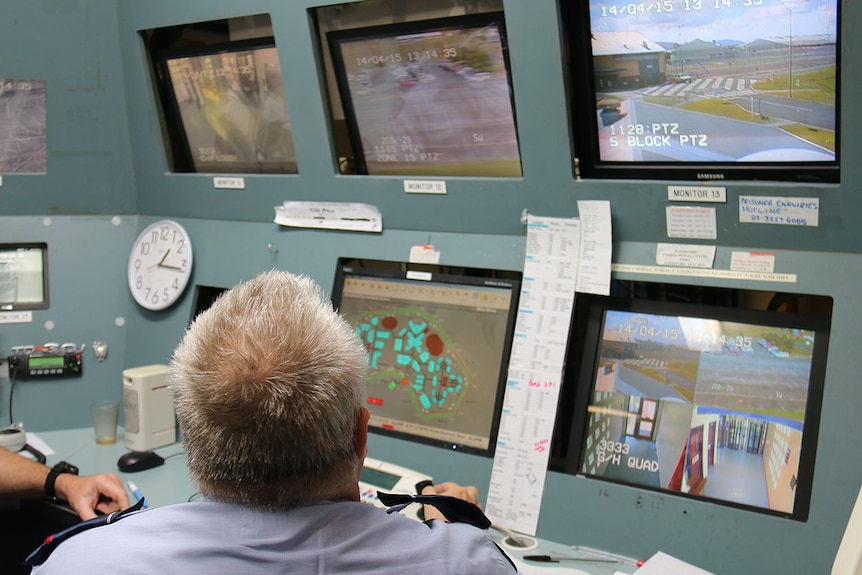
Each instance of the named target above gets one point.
<point>710,176</point>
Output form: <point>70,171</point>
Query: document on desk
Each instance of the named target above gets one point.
<point>664,564</point>
<point>535,372</point>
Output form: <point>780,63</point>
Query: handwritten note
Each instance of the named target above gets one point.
<point>778,210</point>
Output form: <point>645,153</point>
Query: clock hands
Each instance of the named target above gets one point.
<point>162,264</point>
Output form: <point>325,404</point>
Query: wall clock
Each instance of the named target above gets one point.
<point>160,264</point>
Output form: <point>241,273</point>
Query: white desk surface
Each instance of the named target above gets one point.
<point>169,484</point>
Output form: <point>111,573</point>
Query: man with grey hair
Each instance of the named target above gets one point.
<point>269,392</point>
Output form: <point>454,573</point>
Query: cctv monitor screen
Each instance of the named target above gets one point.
<point>227,110</point>
<point>710,403</point>
<point>23,276</point>
<point>438,340</point>
<point>431,98</point>
<point>706,89</point>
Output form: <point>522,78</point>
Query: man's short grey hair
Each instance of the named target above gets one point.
<point>268,385</point>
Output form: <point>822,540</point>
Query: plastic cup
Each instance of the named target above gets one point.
<point>106,415</point>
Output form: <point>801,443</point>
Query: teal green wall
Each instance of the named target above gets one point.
<point>108,178</point>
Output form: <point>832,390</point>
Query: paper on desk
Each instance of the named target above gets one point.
<point>38,444</point>
<point>525,568</point>
<point>664,564</point>
<point>330,215</point>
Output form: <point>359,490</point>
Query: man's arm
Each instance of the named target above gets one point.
<point>23,478</point>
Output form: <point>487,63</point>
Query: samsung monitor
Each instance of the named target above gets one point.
<point>705,89</point>
<point>23,276</point>
<point>438,340</point>
<point>713,403</point>
<point>225,108</point>
<point>429,98</point>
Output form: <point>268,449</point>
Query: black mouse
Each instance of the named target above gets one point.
<point>139,460</point>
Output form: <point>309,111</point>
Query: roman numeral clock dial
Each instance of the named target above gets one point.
<point>160,265</point>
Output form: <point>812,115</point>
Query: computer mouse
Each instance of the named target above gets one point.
<point>139,461</point>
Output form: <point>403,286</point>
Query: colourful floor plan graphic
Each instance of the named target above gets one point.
<point>409,350</point>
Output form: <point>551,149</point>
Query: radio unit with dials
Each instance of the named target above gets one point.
<point>48,360</point>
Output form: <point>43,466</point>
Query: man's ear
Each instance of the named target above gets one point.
<point>360,440</point>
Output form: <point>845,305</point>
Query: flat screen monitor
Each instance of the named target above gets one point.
<point>438,340</point>
<point>429,98</point>
<point>225,108</point>
<point>705,89</point>
<point>23,276</point>
<point>205,296</point>
<point>713,403</point>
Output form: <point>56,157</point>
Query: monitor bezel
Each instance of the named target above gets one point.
<point>45,303</point>
<point>441,273</point>
<point>584,126</point>
<point>179,146</point>
<point>584,379</point>
<point>335,37</point>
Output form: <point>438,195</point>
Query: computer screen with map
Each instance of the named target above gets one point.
<point>705,89</point>
<point>720,404</point>
<point>431,97</point>
<point>438,340</point>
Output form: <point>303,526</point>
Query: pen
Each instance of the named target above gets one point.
<point>135,492</point>
<point>606,555</point>
<point>558,558</point>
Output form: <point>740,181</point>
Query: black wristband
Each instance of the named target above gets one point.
<point>62,467</point>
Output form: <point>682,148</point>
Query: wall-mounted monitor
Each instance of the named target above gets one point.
<point>713,403</point>
<point>205,296</point>
<point>225,108</point>
<point>23,276</point>
<point>429,98</point>
<point>705,89</point>
<point>438,340</point>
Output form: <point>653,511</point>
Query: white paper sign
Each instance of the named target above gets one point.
<point>329,215</point>
<point>685,255</point>
<point>691,223</point>
<point>594,269</point>
<point>424,254</point>
<point>778,210</point>
<point>752,261</point>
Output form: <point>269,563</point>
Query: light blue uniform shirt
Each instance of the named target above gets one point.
<point>331,537</point>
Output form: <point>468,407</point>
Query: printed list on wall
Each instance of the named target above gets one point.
<point>553,262</point>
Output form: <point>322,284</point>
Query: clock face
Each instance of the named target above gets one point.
<point>160,264</point>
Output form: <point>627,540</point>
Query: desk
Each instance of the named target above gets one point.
<point>169,484</point>
<point>163,485</point>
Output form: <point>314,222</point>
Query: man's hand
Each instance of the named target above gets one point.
<point>92,494</point>
<point>468,493</point>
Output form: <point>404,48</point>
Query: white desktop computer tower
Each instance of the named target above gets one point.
<point>148,408</point>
